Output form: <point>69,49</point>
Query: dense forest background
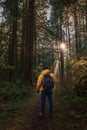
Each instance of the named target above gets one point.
<point>36,33</point>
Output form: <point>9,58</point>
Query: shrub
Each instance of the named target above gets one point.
<point>81,87</point>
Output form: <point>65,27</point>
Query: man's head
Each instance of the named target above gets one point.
<point>45,67</point>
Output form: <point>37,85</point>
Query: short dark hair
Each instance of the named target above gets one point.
<point>45,67</point>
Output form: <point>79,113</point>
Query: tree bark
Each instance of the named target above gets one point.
<point>12,44</point>
<point>29,42</point>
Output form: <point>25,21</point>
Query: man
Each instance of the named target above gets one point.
<point>45,93</point>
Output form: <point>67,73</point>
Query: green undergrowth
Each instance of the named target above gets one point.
<point>77,104</point>
<point>73,98</point>
<point>69,110</point>
<point>12,98</point>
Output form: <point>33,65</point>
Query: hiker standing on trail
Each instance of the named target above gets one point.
<point>45,85</point>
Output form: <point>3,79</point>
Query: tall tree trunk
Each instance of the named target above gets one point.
<point>12,43</point>
<point>29,42</point>
<point>86,24</point>
<point>68,35</point>
<point>76,32</point>
<point>24,33</point>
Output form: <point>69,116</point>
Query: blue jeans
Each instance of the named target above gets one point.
<point>47,94</point>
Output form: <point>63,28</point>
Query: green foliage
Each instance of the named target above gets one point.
<point>78,70</point>
<point>81,87</point>
<point>62,3</point>
<point>46,56</point>
<point>12,97</point>
<point>13,92</point>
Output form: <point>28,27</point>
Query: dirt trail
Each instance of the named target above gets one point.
<point>64,117</point>
<point>33,121</point>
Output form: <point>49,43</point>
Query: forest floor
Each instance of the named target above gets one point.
<point>68,114</point>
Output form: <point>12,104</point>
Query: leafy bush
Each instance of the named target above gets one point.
<point>81,87</point>
<point>9,92</point>
<point>78,75</point>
